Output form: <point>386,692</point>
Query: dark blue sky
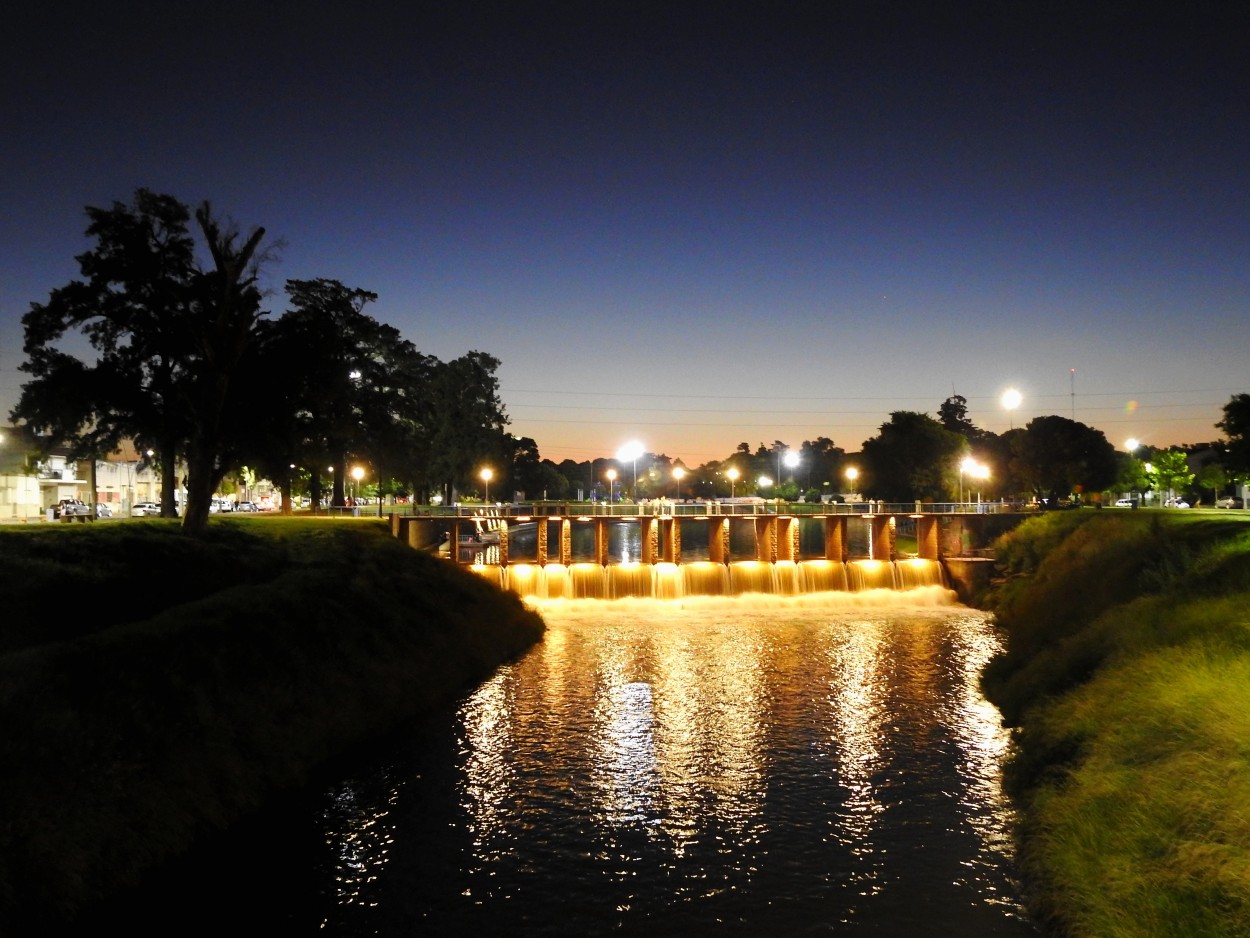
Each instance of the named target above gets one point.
<point>691,225</point>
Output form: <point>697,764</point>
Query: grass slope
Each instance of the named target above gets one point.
<point>155,688</point>
<point>1126,677</point>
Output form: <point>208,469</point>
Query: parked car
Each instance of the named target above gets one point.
<point>145,509</point>
<point>1229,501</point>
<point>1176,503</point>
<point>69,507</point>
<point>246,506</point>
<point>1124,503</point>
<point>103,511</point>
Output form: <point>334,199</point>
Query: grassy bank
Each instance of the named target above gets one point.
<point>155,688</point>
<point>1127,678</point>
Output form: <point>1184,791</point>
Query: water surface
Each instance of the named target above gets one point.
<point>810,765</point>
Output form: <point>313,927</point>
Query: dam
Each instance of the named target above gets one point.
<point>663,552</point>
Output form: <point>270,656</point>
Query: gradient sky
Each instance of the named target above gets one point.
<point>692,225</point>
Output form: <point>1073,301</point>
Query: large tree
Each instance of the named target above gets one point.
<point>1236,425</point>
<point>1055,456</point>
<point>1171,468</point>
<point>223,330</point>
<point>348,386</point>
<point>132,307</point>
<point>913,458</point>
<point>469,420</point>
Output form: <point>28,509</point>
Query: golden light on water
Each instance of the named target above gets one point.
<point>668,722</point>
<point>667,754</point>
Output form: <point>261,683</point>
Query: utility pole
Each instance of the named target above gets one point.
<point>1072,379</point>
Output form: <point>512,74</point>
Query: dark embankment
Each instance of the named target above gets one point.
<point>1126,677</point>
<point>155,688</point>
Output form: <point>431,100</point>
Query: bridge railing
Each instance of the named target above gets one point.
<point>662,508</point>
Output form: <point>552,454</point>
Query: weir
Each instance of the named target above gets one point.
<point>587,580</point>
<point>615,557</point>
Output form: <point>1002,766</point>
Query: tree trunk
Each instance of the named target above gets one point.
<point>201,480</point>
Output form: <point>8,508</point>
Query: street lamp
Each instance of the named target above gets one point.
<point>733,477</point>
<point>1011,400</point>
<point>678,474</point>
<point>486,474</point>
<point>611,474</point>
<point>631,451</point>
<point>981,472</point>
<point>967,465</point>
<point>851,475</point>
<point>357,473</point>
<point>764,482</point>
<point>792,463</point>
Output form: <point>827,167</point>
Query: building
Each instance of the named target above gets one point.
<point>29,488</point>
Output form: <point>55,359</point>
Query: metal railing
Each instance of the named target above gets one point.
<point>667,508</point>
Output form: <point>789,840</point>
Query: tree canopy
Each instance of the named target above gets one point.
<point>913,458</point>
<point>176,351</point>
<point>1236,424</point>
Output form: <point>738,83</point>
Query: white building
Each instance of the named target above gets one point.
<point>121,480</point>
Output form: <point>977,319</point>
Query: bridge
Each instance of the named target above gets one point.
<point>720,531</point>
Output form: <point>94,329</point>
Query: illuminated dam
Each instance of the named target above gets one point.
<point>621,552</point>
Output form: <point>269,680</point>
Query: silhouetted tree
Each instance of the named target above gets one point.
<point>1236,426</point>
<point>913,457</point>
<point>133,306</point>
<point>223,328</point>
<point>1056,456</point>
<point>469,419</point>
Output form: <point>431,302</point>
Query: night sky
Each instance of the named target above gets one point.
<point>691,225</point>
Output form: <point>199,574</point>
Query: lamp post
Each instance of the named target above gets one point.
<point>764,482</point>
<point>631,451</point>
<point>486,475</point>
<point>678,474</point>
<point>792,463</point>
<point>981,472</point>
<point>733,477</point>
<point>851,475</point>
<point>1011,400</point>
<point>357,474</point>
<point>967,465</point>
<point>611,474</point>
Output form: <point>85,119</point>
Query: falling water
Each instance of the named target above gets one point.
<point>587,580</point>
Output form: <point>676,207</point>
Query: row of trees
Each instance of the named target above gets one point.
<point>914,456</point>
<point>180,356</point>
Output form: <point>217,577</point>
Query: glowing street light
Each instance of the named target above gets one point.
<point>732,473</point>
<point>486,477</point>
<point>968,465</point>
<point>358,473</point>
<point>611,474</point>
<point>764,482</point>
<point>851,475</point>
<point>981,472</point>
<point>792,463</point>
<point>630,452</point>
<point>1131,444</point>
<point>678,474</point>
<point>1011,400</point>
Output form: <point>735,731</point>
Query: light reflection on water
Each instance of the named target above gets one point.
<point>725,766</point>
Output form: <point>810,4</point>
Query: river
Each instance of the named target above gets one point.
<point>811,765</point>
